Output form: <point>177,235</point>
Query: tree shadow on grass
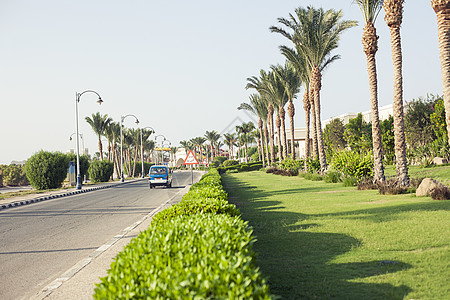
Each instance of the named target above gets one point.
<point>299,265</point>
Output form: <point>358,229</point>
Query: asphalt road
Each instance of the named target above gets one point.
<point>39,242</point>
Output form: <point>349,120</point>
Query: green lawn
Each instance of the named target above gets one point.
<point>320,240</point>
<point>440,173</point>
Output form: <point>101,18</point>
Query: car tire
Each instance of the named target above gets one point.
<point>151,186</point>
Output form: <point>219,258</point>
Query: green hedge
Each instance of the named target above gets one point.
<point>202,256</point>
<point>47,170</point>
<point>198,248</point>
<point>13,175</point>
<point>101,170</point>
<point>244,167</point>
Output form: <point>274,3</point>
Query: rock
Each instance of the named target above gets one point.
<point>439,161</point>
<point>427,186</point>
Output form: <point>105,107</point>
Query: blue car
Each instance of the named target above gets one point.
<point>160,175</point>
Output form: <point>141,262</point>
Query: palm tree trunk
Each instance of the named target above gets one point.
<point>261,141</point>
<point>266,143</point>
<point>100,147</point>
<point>245,149</point>
<point>393,16</point>
<point>271,133</point>
<point>135,158</point>
<point>442,9</point>
<point>370,48</point>
<point>278,124</point>
<point>316,80</point>
<point>306,107</point>
<point>291,113</point>
<point>283,132</point>
<point>315,153</point>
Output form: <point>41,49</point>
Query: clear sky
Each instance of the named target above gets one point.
<point>179,66</point>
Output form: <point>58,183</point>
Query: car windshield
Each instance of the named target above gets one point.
<point>155,171</point>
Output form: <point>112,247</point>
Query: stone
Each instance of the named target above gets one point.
<point>427,186</point>
<point>439,161</point>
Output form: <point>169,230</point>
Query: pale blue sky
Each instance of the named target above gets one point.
<point>179,66</point>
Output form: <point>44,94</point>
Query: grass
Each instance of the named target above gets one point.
<point>440,173</point>
<point>320,240</point>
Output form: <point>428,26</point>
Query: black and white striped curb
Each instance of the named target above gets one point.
<point>39,199</point>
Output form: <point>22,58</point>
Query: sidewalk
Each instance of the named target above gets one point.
<point>33,198</point>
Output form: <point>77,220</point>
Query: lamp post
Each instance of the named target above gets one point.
<point>77,99</point>
<point>142,148</point>
<point>161,141</point>
<point>82,139</point>
<point>121,143</point>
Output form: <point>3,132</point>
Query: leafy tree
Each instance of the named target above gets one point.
<point>418,125</point>
<point>358,134</point>
<point>437,119</point>
<point>84,163</point>
<point>333,136</point>
<point>101,170</point>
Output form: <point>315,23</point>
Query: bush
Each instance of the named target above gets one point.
<point>218,160</point>
<point>291,165</point>
<point>352,163</point>
<point>47,170</point>
<point>84,163</point>
<point>196,257</point>
<point>348,180</point>
<point>14,175</point>
<point>366,183</point>
<point>138,170</point>
<point>313,165</point>
<point>101,170</point>
<point>332,176</point>
<point>230,162</point>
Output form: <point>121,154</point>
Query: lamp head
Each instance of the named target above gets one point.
<point>99,101</point>
<point>137,122</point>
<point>70,138</point>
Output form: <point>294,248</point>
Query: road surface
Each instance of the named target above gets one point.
<point>40,241</point>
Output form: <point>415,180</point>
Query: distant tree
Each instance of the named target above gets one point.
<point>438,120</point>
<point>418,126</point>
<point>387,139</point>
<point>333,136</point>
<point>358,134</point>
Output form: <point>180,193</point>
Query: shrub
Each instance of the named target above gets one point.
<point>270,169</point>
<point>14,175</point>
<point>366,183</point>
<point>352,163</point>
<point>47,170</point>
<point>313,165</point>
<point>291,165</point>
<point>348,180</point>
<point>218,160</point>
<point>138,170</point>
<point>101,170</point>
<point>230,162</point>
<point>196,257</point>
<point>231,171</point>
<point>332,176</point>
<point>440,193</point>
<point>312,176</point>
<point>244,168</point>
<point>390,187</point>
<point>84,163</point>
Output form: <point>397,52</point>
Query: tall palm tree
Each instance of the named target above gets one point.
<point>185,145</point>
<point>212,137</point>
<point>442,10</point>
<point>99,124</point>
<point>260,85</point>
<point>230,140</point>
<point>257,107</point>
<point>303,71</point>
<point>315,33</point>
<point>370,10</point>
<point>291,82</point>
<point>393,16</point>
<point>246,133</point>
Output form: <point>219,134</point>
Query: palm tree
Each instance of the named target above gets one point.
<point>246,130</point>
<point>393,16</point>
<point>230,140</point>
<point>291,82</point>
<point>198,143</point>
<point>185,145</point>
<point>212,137</point>
<point>257,107</point>
<point>260,85</point>
<point>370,10</point>
<point>316,34</point>
<point>303,71</point>
<point>99,124</point>
<point>442,10</point>
<point>112,133</point>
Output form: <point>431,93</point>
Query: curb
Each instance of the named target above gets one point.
<point>39,199</point>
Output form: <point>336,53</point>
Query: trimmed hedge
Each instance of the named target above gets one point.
<point>203,256</point>
<point>101,170</point>
<point>198,248</point>
<point>47,170</point>
<point>244,167</point>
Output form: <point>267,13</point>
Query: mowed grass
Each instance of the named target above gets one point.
<point>318,240</point>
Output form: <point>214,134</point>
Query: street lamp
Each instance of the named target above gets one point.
<point>82,139</point>
<point>77,99</point>
<point>161,141</point>
<point>121,142</point>
<point>142,148</point>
